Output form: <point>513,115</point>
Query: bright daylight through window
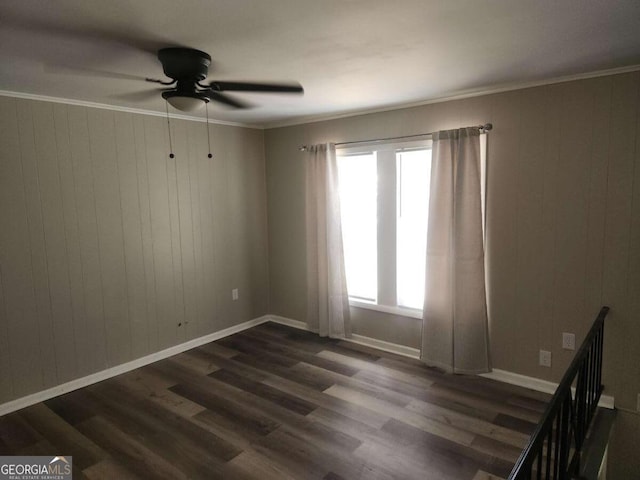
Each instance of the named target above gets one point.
<point>384,194</point>
<point>358,193</point>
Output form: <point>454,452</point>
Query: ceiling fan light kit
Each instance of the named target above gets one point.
<point>187,68</point>
<point>186,103</point>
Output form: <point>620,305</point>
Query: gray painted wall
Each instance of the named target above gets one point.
<point>106,245</point>
<point>563,223</point>
<point>109,250</point>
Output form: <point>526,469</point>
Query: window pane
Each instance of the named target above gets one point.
<point>414,175</point>
<point>358,203</point>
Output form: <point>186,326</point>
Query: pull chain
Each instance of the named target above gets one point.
<point>206,108</point>
<point>166,106</point>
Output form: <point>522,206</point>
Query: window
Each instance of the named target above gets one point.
<point>384,194</point>
<point>358,193</point>
<point>413,177</point>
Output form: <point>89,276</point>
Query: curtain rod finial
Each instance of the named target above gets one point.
<point>302,148</point>
<point>486,127</point>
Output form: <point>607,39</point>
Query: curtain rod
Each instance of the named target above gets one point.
<point>483,129</point>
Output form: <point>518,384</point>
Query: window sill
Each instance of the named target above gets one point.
<point>400,311</point>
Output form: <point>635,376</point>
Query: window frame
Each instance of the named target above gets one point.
<point>386,159</point>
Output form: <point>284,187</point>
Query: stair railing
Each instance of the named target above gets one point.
<point>553,452</point>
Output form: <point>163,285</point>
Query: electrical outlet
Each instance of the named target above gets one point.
<point>545,358</point>
<point>234,294</point>
<point>568,341</point>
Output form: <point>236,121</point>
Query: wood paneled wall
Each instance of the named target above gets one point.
<point>563,219</point>
<point>109,249</point>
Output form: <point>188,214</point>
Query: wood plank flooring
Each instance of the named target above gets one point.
<point>273,402</point>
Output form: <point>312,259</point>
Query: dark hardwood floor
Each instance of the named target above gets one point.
<point>278,403</point>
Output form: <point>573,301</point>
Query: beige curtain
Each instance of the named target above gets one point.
<point>327,299</point>
<point>455,325</point>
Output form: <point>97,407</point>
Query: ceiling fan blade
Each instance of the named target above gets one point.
<point>139,96</point>
<point>227,86</point>
<point>54,25</point>
<point>232,102</point>
<point>91,72</point>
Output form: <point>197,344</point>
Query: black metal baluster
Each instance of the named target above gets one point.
<point>594,387</point>
<point>564,439</point>
<point>601,349</point>
<point>556,460</point>
<point>549,451</point>
<point>598,360</point>
<point>581,395</point>
<point>589,384</point>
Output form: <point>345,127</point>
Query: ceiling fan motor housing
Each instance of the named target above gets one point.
<point>184,63</point>
<point>187,67</point>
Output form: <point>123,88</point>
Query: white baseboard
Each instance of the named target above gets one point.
<point>503,376</point>
<point>602,473</point>
<point>384,346</point>
<point>498,375</point>
<point>43,395</point>
<point>355,338</point>
<point>291,323</point>
<point>531,383</point>
<point>606,401</point>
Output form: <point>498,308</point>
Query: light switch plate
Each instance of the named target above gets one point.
<point>234,294</point>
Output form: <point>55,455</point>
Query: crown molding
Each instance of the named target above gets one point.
<point>458,96</point>
<point>140,111</point>
<point>326,117</point>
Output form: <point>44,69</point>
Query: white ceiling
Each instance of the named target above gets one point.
<point>350,55</point>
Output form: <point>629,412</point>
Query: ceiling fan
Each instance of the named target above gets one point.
<point>187,68</point>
